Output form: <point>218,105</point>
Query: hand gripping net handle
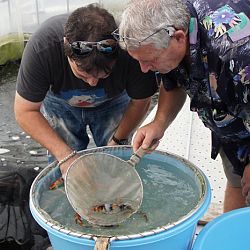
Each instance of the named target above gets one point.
<point>136,157</point>
<point>140,152</point>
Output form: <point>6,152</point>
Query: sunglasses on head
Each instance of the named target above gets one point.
<point>82,48</point>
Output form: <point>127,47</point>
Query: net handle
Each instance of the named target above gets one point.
<point>102,243</point>
<point>139,153</point>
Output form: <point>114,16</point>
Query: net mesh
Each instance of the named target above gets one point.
<point>103,189</point>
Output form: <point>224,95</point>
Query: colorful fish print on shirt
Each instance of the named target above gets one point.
<point>243,77</point>
<point>218,79</point>
<point>226,20</point>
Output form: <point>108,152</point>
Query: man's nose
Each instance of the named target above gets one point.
<point>92,81</point>
<point>145,67</point>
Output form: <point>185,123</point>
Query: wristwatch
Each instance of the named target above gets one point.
<point>120,141</point>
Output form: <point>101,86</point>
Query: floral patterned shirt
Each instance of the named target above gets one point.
<point>216,76</point>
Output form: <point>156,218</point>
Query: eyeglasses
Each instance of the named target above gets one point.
<point>169,29</point>
<point>82,48</point>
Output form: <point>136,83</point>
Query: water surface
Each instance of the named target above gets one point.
<point>169,194</point>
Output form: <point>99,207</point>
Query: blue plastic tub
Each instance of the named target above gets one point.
<point>177,236</point>
<point>229,231</point>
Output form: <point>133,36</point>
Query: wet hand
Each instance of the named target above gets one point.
<point>63,167</point>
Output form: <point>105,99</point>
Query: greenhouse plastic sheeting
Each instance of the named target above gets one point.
<point>18,17</point>
<point>26,15</point>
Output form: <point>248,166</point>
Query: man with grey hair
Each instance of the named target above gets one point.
<point>201,48</point>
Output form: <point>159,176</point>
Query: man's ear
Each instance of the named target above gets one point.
<point>180,36</point>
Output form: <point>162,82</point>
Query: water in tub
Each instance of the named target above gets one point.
<point>169,194</point>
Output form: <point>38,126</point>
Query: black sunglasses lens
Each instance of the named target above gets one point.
<point>81,48</point>
<point>107,46</point>
<point>84,48</point>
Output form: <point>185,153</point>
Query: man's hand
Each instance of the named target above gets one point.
<point>148,136</point>
<point>245,183</point>
<point>64,167</point>
<point>169,104</point>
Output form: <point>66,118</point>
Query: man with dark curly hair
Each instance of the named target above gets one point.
<point>74,74</point>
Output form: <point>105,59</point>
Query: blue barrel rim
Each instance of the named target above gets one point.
<point>191,217</point>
